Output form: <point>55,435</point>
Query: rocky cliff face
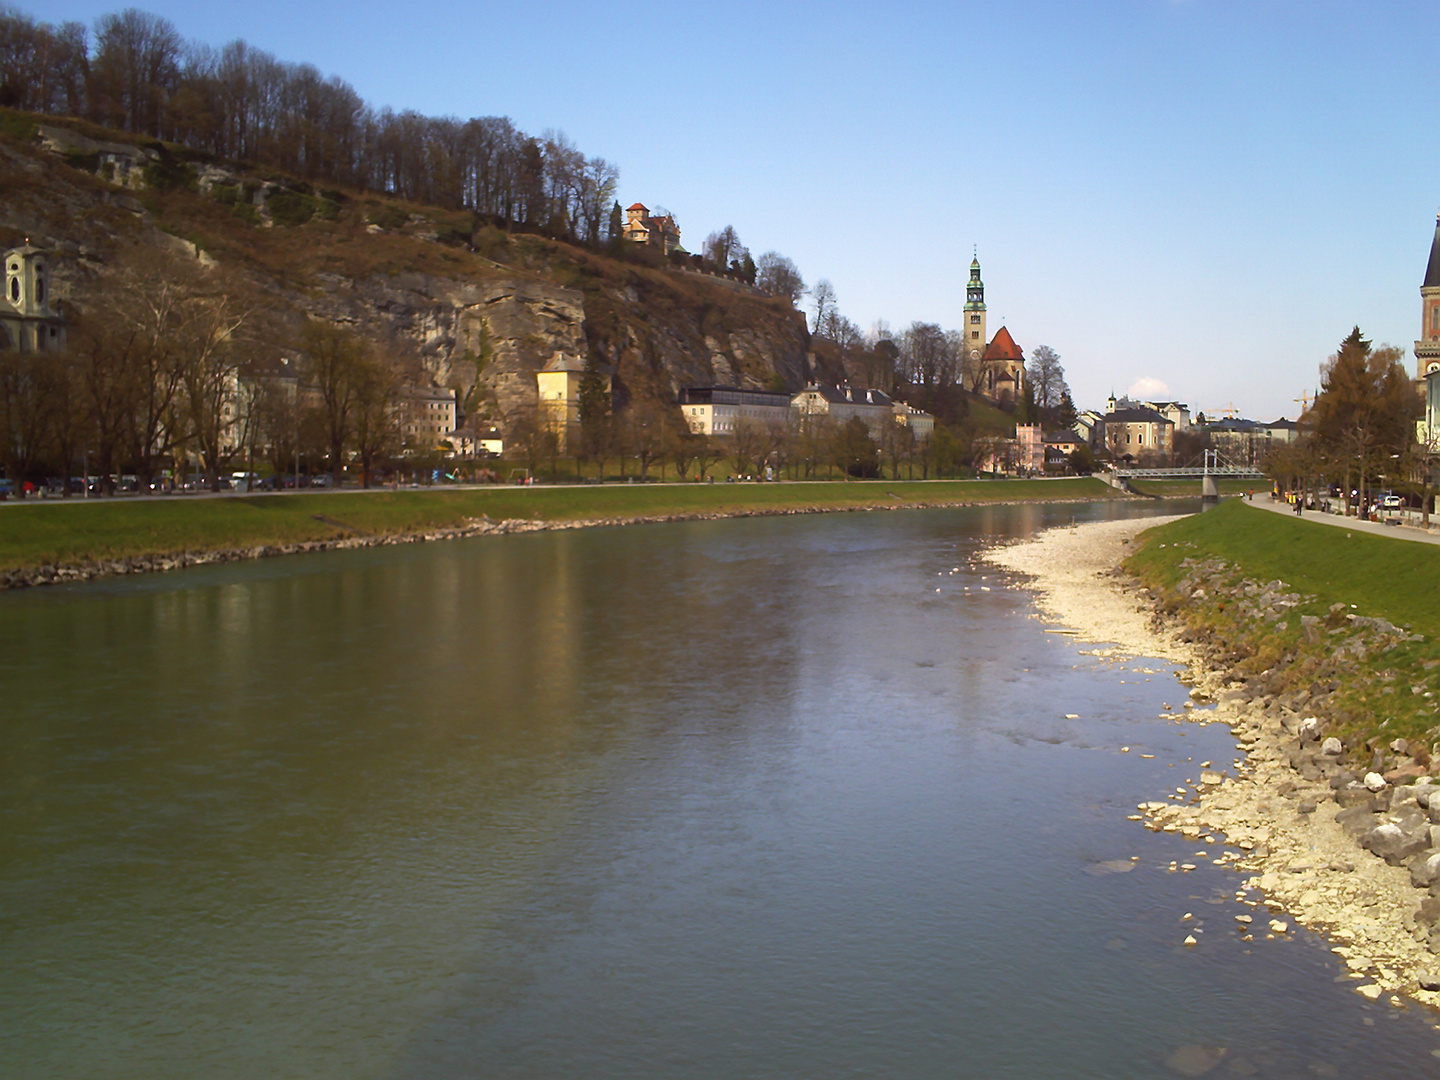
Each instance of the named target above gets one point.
<point>655,328</point>
<point>528,321</point>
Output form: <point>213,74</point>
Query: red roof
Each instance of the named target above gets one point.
<point>1003,347</point>
<point>639,206</point>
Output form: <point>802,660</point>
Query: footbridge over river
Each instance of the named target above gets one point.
<point>1211,467</point>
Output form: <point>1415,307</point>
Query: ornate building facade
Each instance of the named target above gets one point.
<point>975,339</point>
<point>30,319</point>
<point>1427,349</point>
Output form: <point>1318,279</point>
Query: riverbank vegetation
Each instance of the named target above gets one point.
<point>56,533</point>
<point>1325,621</point>
<point>1359,436</point>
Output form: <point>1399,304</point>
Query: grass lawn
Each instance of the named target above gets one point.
<point>1381,694</point>
<point>1190,489</point>
<point>41,533</point>
<point>1393,579</point>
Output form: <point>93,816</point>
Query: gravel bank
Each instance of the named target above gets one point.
<point>1278,827</point>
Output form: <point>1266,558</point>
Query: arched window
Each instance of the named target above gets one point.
<point>14,290</point>
<point>39,289</point>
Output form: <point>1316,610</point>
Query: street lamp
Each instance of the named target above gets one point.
<point>294,421</point>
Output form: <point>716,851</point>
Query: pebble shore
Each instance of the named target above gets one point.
<point>1272,813</point>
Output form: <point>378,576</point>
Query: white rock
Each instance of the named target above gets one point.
<point>1374,781</point>
<point>1279,926</point>
<point>1190,940</point>
<point>1369,990</point>
<point>1332,747</point>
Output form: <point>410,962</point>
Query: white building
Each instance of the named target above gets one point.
<point>714,410</point>
<point>1174,411</point>
<point>844,403</point>
<point>920,423</point>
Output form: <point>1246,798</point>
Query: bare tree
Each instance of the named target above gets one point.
<point>682,446</point>
<point>647,423</point>
<point>377,431</point>
<point>823,297</point>
<point>135,70</point>
<point>747,445</point>
<point>335,358</point>
<point>779,276</point>
<point>1046,377</point>
<point>209,380</point>
<point>927,357</point>
<point>723,247</point>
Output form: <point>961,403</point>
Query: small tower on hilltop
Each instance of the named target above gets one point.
<point>975,339</point>
<point>1427,349</point>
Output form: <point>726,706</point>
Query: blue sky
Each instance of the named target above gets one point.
<point>1203,194</point>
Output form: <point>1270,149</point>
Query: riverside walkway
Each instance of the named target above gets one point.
<point>1402,530</point>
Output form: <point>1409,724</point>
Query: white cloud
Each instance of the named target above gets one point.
<point>1148,389</point>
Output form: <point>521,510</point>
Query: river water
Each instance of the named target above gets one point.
<point>776,797</point>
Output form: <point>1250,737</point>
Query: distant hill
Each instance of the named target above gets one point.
<point>414,278</point>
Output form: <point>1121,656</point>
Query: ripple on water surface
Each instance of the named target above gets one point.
<point>763,798</point>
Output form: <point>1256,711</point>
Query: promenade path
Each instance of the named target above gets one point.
<point>1402,531</point>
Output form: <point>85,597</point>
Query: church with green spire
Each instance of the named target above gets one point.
<point>975,339</point>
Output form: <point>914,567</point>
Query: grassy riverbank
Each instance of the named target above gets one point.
<point>1190,489</point>
<point>1320,643</point>
<point>52,533</point>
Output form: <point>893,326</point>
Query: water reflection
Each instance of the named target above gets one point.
<point>763,798</point>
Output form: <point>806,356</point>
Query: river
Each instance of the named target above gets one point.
<point>773,797</point>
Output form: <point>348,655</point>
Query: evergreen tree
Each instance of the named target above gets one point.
<point>1065,414</point>
<point>1366,410</point>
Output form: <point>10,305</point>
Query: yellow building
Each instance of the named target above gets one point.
<point>559,386</point>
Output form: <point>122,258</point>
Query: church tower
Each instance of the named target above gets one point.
<point>30,319</point>
<point>1427,349</point>
<point>975,339</point>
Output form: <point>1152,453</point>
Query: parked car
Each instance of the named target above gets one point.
<point>1392,502</point>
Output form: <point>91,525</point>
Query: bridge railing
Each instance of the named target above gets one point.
<point>1195,472</point>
